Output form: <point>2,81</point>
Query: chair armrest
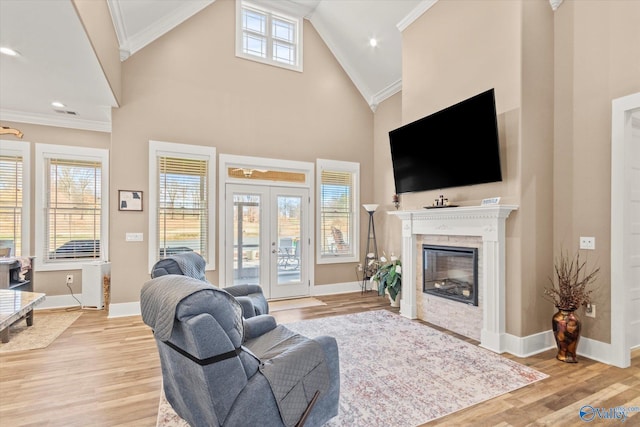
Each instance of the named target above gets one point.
<point>258,325</point>
<point>247,307</point>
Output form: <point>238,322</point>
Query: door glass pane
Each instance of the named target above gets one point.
<point>288,231</point>
<point>246,239</point>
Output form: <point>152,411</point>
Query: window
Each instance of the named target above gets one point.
<point>338,201</point>
<point>14,198</point>
<point>182,185</point>
<point>268,36</point>
<point>72,200</point>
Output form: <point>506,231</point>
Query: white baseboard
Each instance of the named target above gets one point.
<point>543,341</point>
<point>124,309</point>
<point>57,301</point>
<point>529,345</point>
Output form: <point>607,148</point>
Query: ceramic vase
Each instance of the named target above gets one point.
<point>395,303</point>
<point>566,330</point>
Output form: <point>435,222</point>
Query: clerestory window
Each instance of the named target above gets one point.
<point>268,36</point>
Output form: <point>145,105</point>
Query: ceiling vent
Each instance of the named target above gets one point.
<point>73,113</point>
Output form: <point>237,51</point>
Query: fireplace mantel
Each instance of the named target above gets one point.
<point>487,222</point>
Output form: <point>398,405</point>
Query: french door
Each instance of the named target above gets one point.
<point>266,238</point>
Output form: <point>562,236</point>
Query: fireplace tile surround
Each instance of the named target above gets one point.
<point>473,226</point>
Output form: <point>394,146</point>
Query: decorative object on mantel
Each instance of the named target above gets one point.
<point>4,130</point>
<point>371,254</point>
<point>570,292</point>
<point>396,201</point>
<point>490,202</point>
<point>389,278</point>
<point>441,202</point>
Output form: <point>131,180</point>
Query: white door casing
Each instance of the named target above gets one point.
<point>625,229</point>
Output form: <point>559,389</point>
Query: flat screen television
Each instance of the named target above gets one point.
<point>454,147</point>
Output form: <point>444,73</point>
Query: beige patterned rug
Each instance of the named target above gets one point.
<point>397,372</point>
<point>47,326</point>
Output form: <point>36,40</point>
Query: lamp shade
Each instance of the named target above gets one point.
<point>370,208</point>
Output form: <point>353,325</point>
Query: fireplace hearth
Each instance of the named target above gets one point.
<point>451,272</point>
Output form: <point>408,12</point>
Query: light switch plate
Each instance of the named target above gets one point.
<point>134,237</point>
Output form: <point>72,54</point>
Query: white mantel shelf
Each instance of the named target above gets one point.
<point>487,222</point>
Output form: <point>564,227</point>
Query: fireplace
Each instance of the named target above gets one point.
<point>451,272</point>
<point>447,226</point>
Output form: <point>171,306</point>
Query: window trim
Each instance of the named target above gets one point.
<point>338,166</point>
<point>240,4</point>
<point>22,149</point>
<point>200,152</point>
<point>44,151</point>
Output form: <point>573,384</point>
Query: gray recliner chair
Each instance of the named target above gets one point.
<point>193,265</point>
<point>218,373</point>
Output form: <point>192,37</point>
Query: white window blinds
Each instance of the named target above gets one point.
<point>182,211</point>
<point>11,205</point>
<point>336,213</point>
<point>73,209</point>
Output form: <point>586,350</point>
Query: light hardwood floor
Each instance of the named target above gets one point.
<point>106,372</point>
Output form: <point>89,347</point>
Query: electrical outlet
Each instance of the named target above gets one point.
<point>69,279</point>
<point>359,267</point>
<point>590,311</point>
<point>588,243</point>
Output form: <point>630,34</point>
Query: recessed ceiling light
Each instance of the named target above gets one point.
<point>58,104</point>
<point>373,42</point>
<point>8,51</point>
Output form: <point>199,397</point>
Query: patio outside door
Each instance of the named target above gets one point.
<point>266,238</point>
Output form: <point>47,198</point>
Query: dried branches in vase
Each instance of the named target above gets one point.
<point>571,290</point>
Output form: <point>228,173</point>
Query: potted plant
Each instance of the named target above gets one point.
<point>570,290</point>
<point>389,278</point>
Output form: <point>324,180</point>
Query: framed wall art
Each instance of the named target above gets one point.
<point>129,200</point>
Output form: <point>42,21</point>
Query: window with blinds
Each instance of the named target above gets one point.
<point>73,209</point>
<point>11,203</point>
<point>337,206</point>
<point>182,211</point>
<point>270,37</point>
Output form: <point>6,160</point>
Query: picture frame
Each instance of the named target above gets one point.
<point>129,200</point>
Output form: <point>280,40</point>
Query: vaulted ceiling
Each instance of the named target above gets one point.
<point>57,63</point>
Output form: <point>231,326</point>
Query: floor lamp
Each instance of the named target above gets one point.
<point>371,254</point>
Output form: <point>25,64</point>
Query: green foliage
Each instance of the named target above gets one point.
<point>389,277</point>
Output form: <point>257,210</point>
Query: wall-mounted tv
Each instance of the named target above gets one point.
<point>453,147</point>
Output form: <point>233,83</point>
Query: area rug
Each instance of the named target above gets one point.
<point>397,372</point>
<point>291,304</point>
<point>47,326</point>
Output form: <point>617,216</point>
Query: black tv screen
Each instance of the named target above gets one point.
<point>453,147</point>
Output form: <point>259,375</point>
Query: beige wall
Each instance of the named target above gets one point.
<point>387,118</point>
<point>188,87</point>
<point>555,75</point>
<point>97,23</point>
<point>597,60</point>
<point>507,46</point>
<point>54,282</point>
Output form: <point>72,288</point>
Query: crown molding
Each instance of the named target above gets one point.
<point>385,93</point>
<point>131,43</point>
<point>48,120</point>
<point>415,14</point>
